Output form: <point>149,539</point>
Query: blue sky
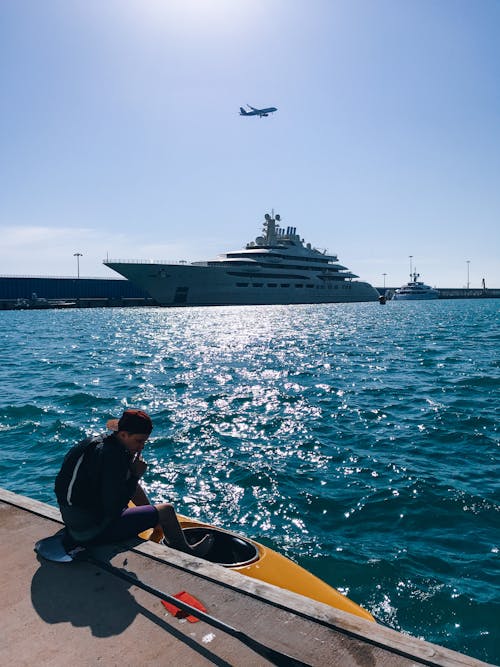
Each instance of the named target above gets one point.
<point>120,134</point>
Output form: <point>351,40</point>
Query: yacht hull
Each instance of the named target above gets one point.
<point>192,285</point>
<point>415,297</point>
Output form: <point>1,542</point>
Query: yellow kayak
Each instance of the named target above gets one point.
<point>252,559</point>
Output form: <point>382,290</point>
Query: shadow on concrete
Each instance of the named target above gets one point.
<point>81,595</point>
<point>85,596</point>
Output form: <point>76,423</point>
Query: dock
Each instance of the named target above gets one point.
<point>79,613</point>
<point>39,293</point>
<point>453,292</point>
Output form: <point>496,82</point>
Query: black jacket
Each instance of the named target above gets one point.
<point>94,485</point>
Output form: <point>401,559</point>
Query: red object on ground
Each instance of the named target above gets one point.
<point>180,613</point>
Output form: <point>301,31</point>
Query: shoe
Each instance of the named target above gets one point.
<point>71,546</point>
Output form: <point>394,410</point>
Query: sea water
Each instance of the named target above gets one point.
<point>359,440</point>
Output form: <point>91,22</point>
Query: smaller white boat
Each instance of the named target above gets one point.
<point>415,290</point>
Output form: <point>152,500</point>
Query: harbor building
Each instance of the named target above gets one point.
<point>23,292</point>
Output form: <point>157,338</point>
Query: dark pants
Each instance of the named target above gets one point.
<point>132,521</point>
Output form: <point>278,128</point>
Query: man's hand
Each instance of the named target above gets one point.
<point>138,466</point>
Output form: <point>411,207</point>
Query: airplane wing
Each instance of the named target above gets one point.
<point>252,108</point>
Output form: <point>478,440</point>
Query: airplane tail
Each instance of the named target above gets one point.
<point>243,112</point>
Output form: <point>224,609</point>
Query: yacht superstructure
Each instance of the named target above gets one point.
<point>415,290</point>
<point>277,268</point>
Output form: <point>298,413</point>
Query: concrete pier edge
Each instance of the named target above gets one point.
<point>338,622</point>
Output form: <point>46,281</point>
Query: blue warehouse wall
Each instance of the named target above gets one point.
<point>23,287</point>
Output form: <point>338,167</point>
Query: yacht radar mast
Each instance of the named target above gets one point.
<point>270,228</point>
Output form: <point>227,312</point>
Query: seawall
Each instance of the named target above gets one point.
<point>37,292</point>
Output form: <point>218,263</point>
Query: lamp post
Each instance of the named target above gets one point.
<point>411,268</point>
<point>468,283</point>
<point>77,255</point>
<point>384,274</point>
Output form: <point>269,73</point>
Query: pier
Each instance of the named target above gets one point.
<point>79,613</point>
<point>453,292</point>
<point>38,293</point>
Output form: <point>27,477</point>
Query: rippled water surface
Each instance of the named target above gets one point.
<point>361,441</point>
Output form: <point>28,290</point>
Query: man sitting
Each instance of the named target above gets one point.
<point>98,478</point>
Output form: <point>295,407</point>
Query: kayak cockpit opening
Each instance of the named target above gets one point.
<point>228,550</point>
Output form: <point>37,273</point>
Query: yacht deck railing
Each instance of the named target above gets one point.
<point>175,262</point>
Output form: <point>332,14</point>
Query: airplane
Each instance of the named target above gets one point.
<point>257,112</point>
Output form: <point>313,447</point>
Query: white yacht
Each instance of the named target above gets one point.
<point>415,290</point>
<point>276,268</point>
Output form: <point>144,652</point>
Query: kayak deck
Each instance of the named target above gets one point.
<point>255,560</point>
